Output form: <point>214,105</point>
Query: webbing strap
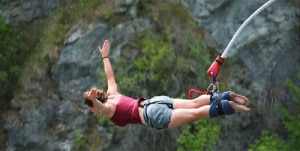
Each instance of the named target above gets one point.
<point>219,107</point>
<point>158,102</point>
<point>197,92</point>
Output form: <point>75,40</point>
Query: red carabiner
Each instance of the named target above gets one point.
<point>214,69</point>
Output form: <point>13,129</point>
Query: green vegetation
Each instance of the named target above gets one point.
<point>7,57</point>
<point>269,142</point>
<point>79,142</point>
<point>14,49</point>
<point>153,66</point>
<point>54,31</point>
<point>199,135</point>
<point>291,121</point>
<point>159,67</point>
<point>103,121</point>
<point>167,52</point>
<point>143,7</point>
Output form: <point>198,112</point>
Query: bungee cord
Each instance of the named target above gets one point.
<point>245,23</point>
<point>216,65</point>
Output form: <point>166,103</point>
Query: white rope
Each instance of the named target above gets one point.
<point>224,54</point>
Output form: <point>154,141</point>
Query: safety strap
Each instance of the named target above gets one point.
<point>197,92</point>
<point>219,107</point>
<point>217,98</point>
<point>158,102</point>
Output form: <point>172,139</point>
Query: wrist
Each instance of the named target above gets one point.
<point>105,57</point>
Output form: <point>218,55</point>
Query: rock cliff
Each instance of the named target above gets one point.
<point>263,57</point>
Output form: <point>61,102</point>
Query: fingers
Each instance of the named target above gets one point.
<point>106,43</point>
<point>94,91</point>
<point>86,94</point>
<point>91,95</point>
<point>104,51</point>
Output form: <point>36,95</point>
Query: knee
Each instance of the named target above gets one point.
<point>201,100</point>
<point>194,103</point>
<point>201,112</point>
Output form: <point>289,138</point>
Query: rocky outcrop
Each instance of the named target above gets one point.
<point>26,10</point>
<point>263,57</point>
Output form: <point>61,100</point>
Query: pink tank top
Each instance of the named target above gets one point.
<point>127,111</point>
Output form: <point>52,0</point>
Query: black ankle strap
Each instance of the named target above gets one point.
<point>219,107</point>
<point>215,96</point>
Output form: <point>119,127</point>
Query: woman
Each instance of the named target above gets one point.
<point>159,111</point>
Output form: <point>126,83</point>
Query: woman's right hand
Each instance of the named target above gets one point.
<point>92,95</point>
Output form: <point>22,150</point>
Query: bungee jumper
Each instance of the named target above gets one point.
<point>159,111</point>
<point>162,112</point>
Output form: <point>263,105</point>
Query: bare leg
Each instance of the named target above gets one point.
<point>194,103</point>
<point>205,99</point>
<point>184,116</point>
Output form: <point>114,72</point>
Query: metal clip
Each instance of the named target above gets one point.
<point>213,87</point>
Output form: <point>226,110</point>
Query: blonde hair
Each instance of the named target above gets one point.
<point>101,96</point>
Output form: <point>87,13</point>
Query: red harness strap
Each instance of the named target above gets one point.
<point>197,92</point>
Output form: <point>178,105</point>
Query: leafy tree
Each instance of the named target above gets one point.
<point>16,46</point>
<point>79,142</point>
<point>269,142</point>
<point>6,51</point>
<point>291,122</point>
<point>199,135</point>
<point>152,68</point>
<point>12,55</point>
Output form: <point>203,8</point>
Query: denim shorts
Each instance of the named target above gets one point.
<point>158,111</point>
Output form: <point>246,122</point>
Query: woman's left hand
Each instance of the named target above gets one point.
<point>92,95</point>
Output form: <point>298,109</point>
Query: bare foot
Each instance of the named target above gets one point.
<point>238,98</point>
<point>238,107</point>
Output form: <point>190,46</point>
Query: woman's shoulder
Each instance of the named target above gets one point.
<point>113,98</point>
<point>112,95</point>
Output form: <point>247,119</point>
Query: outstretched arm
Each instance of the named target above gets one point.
<point>111,82</point>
